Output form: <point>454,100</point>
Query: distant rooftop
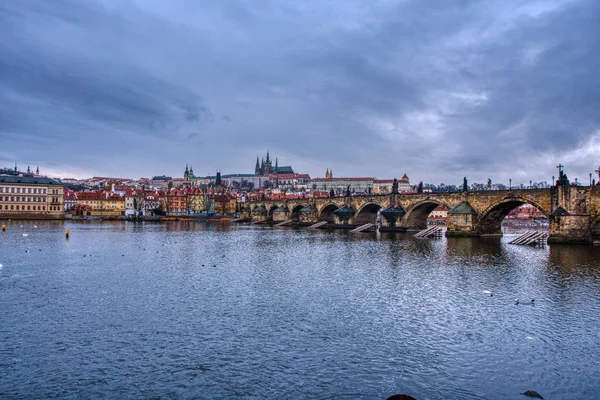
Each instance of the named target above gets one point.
<point>28,180</point>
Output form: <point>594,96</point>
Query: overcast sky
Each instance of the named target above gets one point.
<point>438,89</point>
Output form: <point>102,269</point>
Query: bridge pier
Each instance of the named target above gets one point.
<point>281,214</point>
<point>571,217</point>
<point>570,229</point>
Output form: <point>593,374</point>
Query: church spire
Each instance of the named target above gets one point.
<point>37,170</point>
<point>28,170</point>
<point>257,167</point>
<point>276,166</point>
<point>268,160</point>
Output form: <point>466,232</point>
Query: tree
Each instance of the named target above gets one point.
<point>167,203</point>
<point>139,201</point>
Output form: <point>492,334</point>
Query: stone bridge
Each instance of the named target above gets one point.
<point>573,211</point>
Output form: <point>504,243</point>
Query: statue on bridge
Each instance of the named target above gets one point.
<point>489,184</point>
<point>348,191</point>
<point>465,185</point>
<point>562,177</point>
<point>331,193</point>
<point>420,187</point>
<point>395,186</point>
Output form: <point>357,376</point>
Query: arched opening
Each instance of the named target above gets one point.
<point>513,215</point>
<point>416,217</point>
<point>327,214</point>
<point>367,214</point>
<point>271,209</point>
<point>259,210</point>
<point>596,232</point>
<point>296,213</point>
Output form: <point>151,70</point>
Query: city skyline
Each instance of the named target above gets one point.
<point>437,90</point>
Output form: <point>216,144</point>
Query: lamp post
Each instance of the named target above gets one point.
<point>530,184</point>
<point>552,180</point>
<point>510,184</point>
<point>590,179</point>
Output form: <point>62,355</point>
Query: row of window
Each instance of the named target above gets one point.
<point>13,207</point>
<point>25,190</point>
<point>22,208</point>
<point>27,199</point>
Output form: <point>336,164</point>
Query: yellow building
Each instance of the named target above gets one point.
<point>30,197</point>
<point>98,204</point>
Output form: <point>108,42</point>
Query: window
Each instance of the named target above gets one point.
<point>29,190</point>
<point>12,207</point>
<point>28,208</point>
<point>44,208</point>
<point>12,190</point>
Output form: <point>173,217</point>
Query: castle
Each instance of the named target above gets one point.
<point>265,168</point>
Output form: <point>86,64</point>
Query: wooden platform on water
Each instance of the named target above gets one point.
<point>531,238</point>
<point>284,223</point>
<point>318,225</point>
<point>434,231</point>
<point>363,228</point>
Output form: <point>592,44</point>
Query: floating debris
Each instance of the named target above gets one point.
<point>533,394</point>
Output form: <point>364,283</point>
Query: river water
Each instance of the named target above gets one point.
<point>189,310</point>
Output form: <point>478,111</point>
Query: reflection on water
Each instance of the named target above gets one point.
<point>190,310</point>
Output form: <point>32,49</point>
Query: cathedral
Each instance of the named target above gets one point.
<point>265,167</point>
<point>188,174</point>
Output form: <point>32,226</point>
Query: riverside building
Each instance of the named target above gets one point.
<point>30,197</point>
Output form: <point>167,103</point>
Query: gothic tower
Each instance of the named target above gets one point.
<point>267,169</point>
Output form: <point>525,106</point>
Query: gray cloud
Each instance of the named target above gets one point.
<point>437,89</point>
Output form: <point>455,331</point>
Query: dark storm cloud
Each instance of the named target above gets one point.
<point>438,89</point>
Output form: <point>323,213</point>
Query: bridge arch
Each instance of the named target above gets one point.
<point>259,210</point>
<point>271,209</point>
<point>416,215</point>
<point>490,220</point>
<point>326,212</point>
<point>295,212</point>
<point>367,214</point>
